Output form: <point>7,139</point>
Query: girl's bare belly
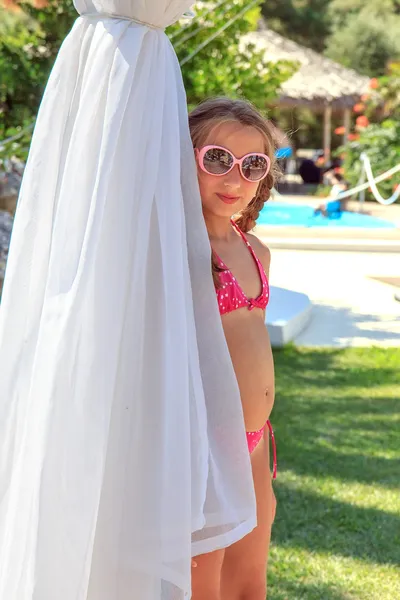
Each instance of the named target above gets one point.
<point>250,349</point>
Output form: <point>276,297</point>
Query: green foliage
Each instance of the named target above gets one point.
<point>381,139</point>
<point>305,21</point>
<point>54,21</point>
<point>336,418</point>
<point>381,142</point>
<point>365,41</point>
<point>21,55</point>
<point>341,10</point>
<point>226,66</point>
<point>29,42</point>
<point>361,34</point>
<point>384,103</point>
<point>18,144</point>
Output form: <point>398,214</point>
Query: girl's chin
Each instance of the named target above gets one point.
<point>229,212</point>
<point>222,209</point>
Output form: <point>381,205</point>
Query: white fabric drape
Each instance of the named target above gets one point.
<point>122,445</point>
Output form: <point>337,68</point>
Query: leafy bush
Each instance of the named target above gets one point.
<point>30,40</point>
<point>377,131</point>
<point>366,42</point>
<point>227,66</point>
<point>381,142</point>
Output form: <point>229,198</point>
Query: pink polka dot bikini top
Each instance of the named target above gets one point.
<point>230,295</point>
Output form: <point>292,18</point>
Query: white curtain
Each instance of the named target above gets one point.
<point>122,445</point>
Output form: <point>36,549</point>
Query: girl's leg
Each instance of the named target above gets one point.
<point>244,570</point>
<point>206,576</point>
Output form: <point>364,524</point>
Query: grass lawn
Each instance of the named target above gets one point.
<point>337,424</point>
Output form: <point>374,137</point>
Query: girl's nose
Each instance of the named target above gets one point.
<point>233,178</point>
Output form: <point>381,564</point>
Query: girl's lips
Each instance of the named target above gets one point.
<point>228,199</point>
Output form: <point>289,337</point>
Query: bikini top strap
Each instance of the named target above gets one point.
<point>244,238</point>
<point>263,274</point>
<point>236,226</point>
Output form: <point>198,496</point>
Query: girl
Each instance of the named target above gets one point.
<point>234,151</point>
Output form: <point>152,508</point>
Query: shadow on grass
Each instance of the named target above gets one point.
<point>336,416</point>
<point>319,461</point>
<point>330,418</point>
<point>342,440</point>
<point>318,524</point>
<point>320,368</point>
<point>346,408</point>
<point>286,589</point>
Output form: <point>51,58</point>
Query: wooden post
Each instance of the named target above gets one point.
<point>346,123</point>
<point>327,132</point>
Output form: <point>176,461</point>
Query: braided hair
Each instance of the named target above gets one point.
<point>247,218</point>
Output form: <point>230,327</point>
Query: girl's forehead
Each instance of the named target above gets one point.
<point>239,139</point>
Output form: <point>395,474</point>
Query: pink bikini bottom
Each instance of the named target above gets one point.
<point>255,437</point>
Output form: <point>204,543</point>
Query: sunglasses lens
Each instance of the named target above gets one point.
<point>217,161</point>
<point>255,167</point>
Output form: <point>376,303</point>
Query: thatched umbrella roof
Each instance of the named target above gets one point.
<point>319,80</point>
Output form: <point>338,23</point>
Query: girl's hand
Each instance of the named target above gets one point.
<point>194,564</point>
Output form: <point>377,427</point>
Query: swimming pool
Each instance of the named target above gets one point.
<point>298,215</point>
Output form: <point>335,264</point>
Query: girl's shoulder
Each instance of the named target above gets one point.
<point>262,251</point>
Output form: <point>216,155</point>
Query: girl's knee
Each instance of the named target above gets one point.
<point>207,594</point>
<point>206,590</point>
<point>245,586</point>
<point>255,590</point>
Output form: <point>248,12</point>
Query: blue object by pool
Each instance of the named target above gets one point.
<point>298,215</point>
<point>283,153</point>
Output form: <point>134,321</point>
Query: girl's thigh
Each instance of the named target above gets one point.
<point>206,576</point>
<point>244,570</point>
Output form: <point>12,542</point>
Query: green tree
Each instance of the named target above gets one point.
<point>362,34</point>
<point>226,65</point>
<point>19,75</point>
<point>381,138</point>
<point>365,39</point>
<point>386,101</point>
<point>305,21</point>
<point>29,42</point>
<point>340,10</point>
<point>381,142</point>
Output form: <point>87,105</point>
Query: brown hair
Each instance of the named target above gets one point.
<point>214,111</point>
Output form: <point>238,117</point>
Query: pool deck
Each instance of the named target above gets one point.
<point>353,295</point>
<point>335,238</point>
<point>351,276</point>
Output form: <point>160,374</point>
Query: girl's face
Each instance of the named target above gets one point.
<point>228,194</point>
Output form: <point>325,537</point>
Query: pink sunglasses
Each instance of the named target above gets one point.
<point>218,161</point>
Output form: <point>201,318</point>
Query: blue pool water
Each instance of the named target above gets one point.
<point>280,213</point>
